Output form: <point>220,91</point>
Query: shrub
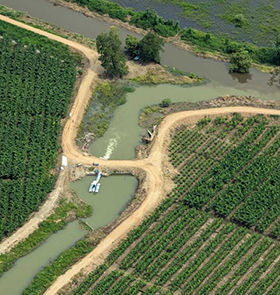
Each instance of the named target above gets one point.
<point>165,103</point>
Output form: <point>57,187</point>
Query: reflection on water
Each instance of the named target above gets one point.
<point>241,78</point>
<point>173,56</point>
<point>275,78</point>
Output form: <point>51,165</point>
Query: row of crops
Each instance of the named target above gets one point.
<point>244,183</point>
<point>37,78</point>
<point>181,250</point>
<point>189,252</point>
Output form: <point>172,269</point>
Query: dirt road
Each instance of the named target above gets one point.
<point>152,166</point>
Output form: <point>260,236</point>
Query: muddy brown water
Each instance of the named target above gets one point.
<point>123,133</point>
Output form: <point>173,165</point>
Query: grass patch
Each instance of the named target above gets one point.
<point>168,75</point>
<point>52,224</point>
<point>106,98</point>
<point>49,274</point>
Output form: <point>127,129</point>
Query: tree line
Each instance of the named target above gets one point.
<point>113,59</point>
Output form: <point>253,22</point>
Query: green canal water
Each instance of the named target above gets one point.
<point>115,192</point>
<point>124,133</point>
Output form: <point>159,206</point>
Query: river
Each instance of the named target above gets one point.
<point>123,133</point>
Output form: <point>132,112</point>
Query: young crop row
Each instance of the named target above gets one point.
<point>36,83</point>
<point>246,126</point>
<point>267,281</point>
<point>275,232</point>
<point>258,271</point>
<point>187,253</point>
<point>170,251</point>
<point>194,168</point>
<point>224,269</point>
<point>268,218</point>
<point>151,237</point>
<point>135,288</point>
<point>116,253</point>
<point>214,261</point>
<point>154,251</point>
<point>230,125</point>
<point>244,266</point>
<point>193,265</point>
<point>90,280</point>
<point>197,266</point>
<point>121,285</point>
<point>184,145</point>
<point>106,283</point>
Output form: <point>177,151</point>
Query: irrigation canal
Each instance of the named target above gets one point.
<point>124,133</point>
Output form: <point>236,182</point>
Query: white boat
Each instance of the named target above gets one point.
<point>92,186</point>
<point>97,188</point>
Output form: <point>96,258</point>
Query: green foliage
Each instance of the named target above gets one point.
<point>203,122</point>
<point>132,45</point>
<point>202,41</point>
<point>149,19</point>
<point>240,62</point>
<point>165,103</point>
<point>215,43</point>
<point>37,78</point>
<point>220,120</point>
<point>111,57</point>
<point>150,47</point>
<point>178,72</point>
<point>277,49</point>
<point>111,94</point>
<point>106,98</point>
<point>239,20</point>
<point>49,226</point>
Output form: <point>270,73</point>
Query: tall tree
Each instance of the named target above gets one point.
<point>150,47</point>
<point>240,62</point>
<point>110,54</point>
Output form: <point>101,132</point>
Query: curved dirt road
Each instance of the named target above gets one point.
<point>152,166</point>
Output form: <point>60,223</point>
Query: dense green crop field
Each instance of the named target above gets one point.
<point>37,78</point>
<point>228,166</point>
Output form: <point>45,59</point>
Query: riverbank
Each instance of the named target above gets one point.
<point>108,95</point>
<point>68,210</point>
<point>96,223</point>
<point>198,47</point>
<point>150,115</point>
